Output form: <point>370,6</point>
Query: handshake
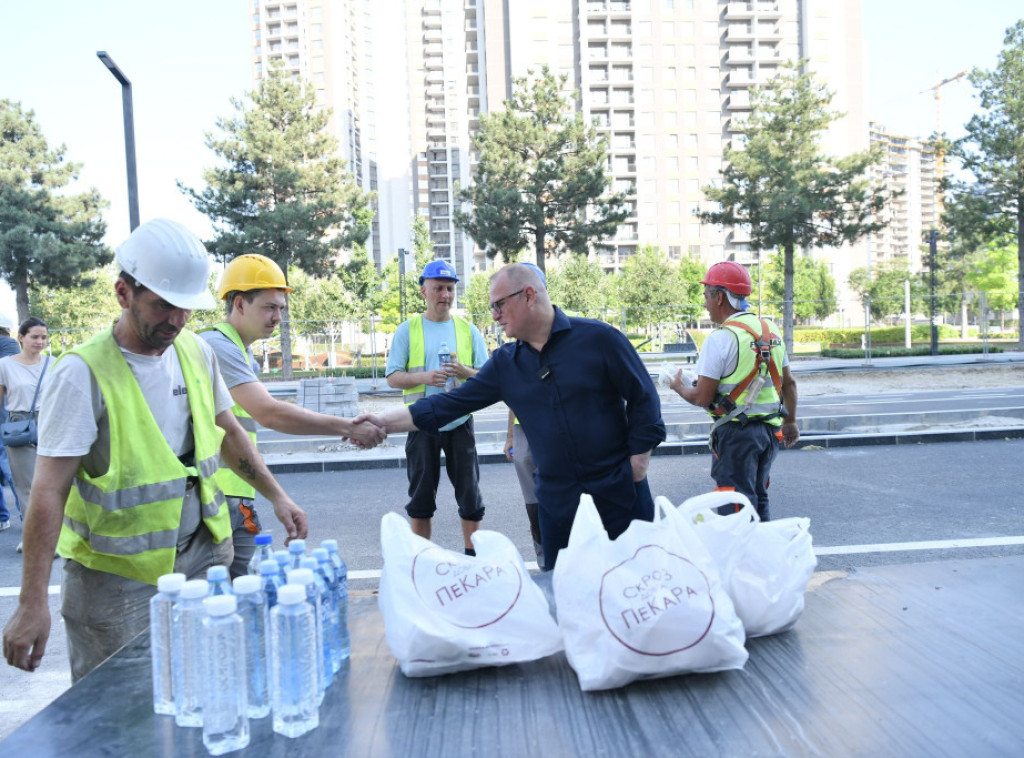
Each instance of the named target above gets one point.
<point>365,431</point>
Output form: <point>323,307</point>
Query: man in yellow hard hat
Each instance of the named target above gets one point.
<point>133,426</point>
<point>253,289</point>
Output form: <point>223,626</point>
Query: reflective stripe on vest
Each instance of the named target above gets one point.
<point>232,484</point>
<point>125,521</point>
<point>768,402</point>
<point>417,352</point>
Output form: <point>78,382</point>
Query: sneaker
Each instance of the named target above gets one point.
<point>471,552</point>
<point>18,548</point>
<point>5,525</point>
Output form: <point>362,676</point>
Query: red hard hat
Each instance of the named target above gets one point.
<point>731,276</point>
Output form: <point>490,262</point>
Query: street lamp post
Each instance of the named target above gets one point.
<point>401,283</point>
<point>129,136</point>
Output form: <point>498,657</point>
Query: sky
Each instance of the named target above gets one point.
<point>186,59</point>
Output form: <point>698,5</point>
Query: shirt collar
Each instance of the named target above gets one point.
<point>560,324</point>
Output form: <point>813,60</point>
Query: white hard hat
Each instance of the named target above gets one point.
<point>6,322</point>
<point>169,260</point>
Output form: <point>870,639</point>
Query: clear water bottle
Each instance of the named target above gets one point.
<point>304,577</point>
<point>271,580</point>
<point>293,663</point>
<point>252,609</point>
<point>161,640</point>
<point>263,552</point>
<point>325,569</point>
<point>225,723</point>
<point>220,582</point>
<point>284,560</point>
<point>341,571</point>
<point>444,355</point>
<point>325,604</point>
<point>296,552</point>
<point>187,661</point>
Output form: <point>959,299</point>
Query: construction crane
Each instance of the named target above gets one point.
<point>940,163</point>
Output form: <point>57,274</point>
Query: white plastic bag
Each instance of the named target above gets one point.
<point>445,611</point>
<point>765,566</point>
<point>648,604</point>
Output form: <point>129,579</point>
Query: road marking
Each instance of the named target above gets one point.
<point>884,547</point>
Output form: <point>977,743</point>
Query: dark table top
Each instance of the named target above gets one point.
<point>911,660</point>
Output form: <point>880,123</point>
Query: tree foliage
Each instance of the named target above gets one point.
<point>885,288</point>
<point>577,284</point>
<point>994,271</point>
<point>992,150</point>
<point>784,188</point>
<point>48,237</point>
<point>281,189</point>
<point>75,311</point>
<point>540,181</point>
<point>648,287</point>
<point>814,289</point>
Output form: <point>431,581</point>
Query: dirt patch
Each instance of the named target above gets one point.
<point>913,379</point>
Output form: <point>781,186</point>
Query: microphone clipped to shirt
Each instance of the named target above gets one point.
<point>544,373</point>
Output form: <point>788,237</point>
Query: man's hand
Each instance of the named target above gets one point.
<point>292,518</point>
<point>640,462</point>
<point>366,435</point>
<point>436,378</point>
<point>26,634</point>
<point>508,449</point>
<point>790,434</point>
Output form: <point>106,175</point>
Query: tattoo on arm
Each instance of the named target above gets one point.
<point>246,468</point>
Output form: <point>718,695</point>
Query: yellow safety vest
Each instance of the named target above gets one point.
<point>417,355</point>
<point>232,484</point>
<point>768,402</point>
<point>125,521</point>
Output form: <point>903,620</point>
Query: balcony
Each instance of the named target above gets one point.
<point>739,101</point>
<point>740,79</point>
<point>739,33</point>
<point>739,56</point>
<point>737,11</point>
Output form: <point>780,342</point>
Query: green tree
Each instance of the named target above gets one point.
<point>784,188</point>
<point>885,287</point>
<point>390,306</point>
<point>281,189</point>
<point>994,271</point>
<point>575,284</point>
<point>648,287</point>
<point>477,301</point>
<point>362,284</point>
<point>74,312</point>
<point>814,289</point>
<point>48,237</point>
<point>993,148</point>
<point>540,182</point>
<point>691,270</point>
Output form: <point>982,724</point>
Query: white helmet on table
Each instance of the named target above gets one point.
<point>168,259</point>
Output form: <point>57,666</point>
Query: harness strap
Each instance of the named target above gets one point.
<point>726,408</point>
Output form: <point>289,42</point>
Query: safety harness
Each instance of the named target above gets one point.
<point>725,409</point>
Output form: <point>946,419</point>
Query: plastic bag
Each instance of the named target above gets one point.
<point>648,604</point>
<point>765,566</point>
<point>668,371</point>
<point>445,611</point>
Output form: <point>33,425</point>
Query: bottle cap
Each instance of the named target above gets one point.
<point>300,576</point>
<point>330,545</point>
<point>195,588</point>
<point>297,546</point>
<point>170,583</point>
<point>220,605</point>
<point>291,594</point>
<point>308,562</point>
<point>320,554</point>
<point>283,557</point>
<point>216,573</point>
<point>243,585</point>
<point>263,538</point>
<point>269,567</point>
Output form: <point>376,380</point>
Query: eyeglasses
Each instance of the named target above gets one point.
<point>497,305</point>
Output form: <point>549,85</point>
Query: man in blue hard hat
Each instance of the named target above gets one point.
<point>414,366</point>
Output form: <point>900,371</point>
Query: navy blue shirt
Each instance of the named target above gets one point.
<point>586,402</point>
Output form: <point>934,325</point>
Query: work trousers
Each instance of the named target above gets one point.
<point>743,461</point>
<point>423,457</point>
<point>245,525</point>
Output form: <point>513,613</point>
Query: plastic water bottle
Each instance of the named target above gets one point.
<point>304,577</point>
<point>188,661</point>
<point>293,663</point>
<point>444,356</point>
<point>284,560</point>
<point>325,569</point>
<point>296,552</point>
<point>271,580</point>
<point>341,571</point>
<point>252,609</point>
<point>161,640</point>
<point>263,552</point>
<point>225,723</point>
<point>220,583</point>
<point>325,605</point>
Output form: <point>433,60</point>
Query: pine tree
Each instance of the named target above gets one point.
<point>282,190</point>
<point>47,237</point>
<point>540,180</point>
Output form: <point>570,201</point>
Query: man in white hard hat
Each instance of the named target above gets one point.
<point>130,437</point>
<point>253,289</point>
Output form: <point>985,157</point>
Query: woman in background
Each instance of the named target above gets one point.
<point>19,376</point>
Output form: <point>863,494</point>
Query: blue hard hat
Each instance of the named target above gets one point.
<point>536,269</point>
<point>438,269</point>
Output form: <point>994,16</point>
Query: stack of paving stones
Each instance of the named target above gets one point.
<point>335,396</point>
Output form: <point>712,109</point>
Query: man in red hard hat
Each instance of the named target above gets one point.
<point>744,381</point>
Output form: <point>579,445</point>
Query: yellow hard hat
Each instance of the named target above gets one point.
<point>251,272</point>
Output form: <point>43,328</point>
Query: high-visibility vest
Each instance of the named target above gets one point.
<point>417,354</point>
<point>125,521</point>
<point>759,350</point>
<point>232,484</point>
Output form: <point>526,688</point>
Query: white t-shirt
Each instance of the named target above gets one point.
<point>720,353</point>
<point>19,382</point>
